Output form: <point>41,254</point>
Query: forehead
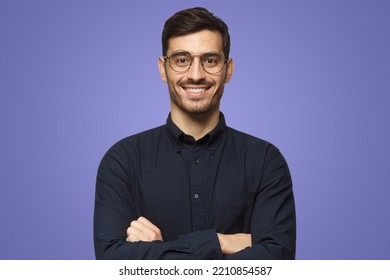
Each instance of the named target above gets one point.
<point>197,43</point>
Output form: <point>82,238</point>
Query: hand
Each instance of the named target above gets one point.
<point>143,230</point>
<point>232,243</point>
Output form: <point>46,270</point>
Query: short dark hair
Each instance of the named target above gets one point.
<point>193,20</point>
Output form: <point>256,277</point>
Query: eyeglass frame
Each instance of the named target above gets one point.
<point>225,61</point>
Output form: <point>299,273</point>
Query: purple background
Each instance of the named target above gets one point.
<point>312,77</point>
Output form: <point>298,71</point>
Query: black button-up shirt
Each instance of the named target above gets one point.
<point>226,182</point>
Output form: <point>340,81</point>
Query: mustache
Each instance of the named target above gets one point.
<point>196,83</point>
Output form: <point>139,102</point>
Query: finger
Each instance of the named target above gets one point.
<point>146,231</point>
<point>146,227</point>
<point>148,224</point>
<point>133,231</point>
<point>139,226</point>
<point>138,232</point>
<point>133,234</point>
<point>132,238</point>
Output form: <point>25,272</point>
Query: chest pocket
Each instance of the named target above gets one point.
<point>234,211</point>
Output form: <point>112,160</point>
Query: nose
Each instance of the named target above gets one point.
<point>196,71</point>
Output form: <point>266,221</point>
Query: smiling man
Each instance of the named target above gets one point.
<point>194,188</point>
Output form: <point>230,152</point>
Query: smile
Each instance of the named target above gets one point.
<point>195,90</point>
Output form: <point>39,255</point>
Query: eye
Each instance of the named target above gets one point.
<point>210,60</point>
<point>181,59</point>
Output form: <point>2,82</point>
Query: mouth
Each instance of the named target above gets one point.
<point>195,90</point>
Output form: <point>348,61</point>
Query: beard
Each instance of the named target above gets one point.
<point>194,105</point>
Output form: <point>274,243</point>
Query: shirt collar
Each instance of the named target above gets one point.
<point>212,136</point>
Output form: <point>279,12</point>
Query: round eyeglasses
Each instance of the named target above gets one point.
<point>181,61</point>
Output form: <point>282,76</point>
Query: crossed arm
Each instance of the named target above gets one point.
<point>143,230</point>
<point>272,228</point>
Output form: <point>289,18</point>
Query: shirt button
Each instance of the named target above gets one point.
<point>196,196</point>
<point>196,161</point>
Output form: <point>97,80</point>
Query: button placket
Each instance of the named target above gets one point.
<point>198,220</point>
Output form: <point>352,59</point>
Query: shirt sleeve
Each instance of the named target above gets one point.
<point>273,225</point>
<point>114,211</point>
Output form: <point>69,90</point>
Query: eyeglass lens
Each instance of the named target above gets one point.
<point>181,61</point>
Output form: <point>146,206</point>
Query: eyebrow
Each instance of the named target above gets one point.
<point>201,54</point>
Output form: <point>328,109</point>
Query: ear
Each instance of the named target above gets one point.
<point>161,68</point>
<point>229,70</point>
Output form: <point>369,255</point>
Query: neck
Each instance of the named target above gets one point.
<point>196,125</point>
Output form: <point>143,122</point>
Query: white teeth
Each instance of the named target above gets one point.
<point>195,90</point>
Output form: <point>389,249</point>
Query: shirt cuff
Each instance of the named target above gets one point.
<point>205,244</point>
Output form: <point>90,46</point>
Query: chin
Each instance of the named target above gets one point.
<point>201,110</point>
<point>195,107</point>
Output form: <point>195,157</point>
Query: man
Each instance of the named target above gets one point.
<point>194,188</point>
